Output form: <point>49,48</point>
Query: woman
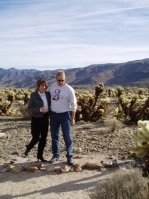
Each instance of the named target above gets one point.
<point>39,106</point>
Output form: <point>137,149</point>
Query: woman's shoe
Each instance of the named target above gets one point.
<point>42,159</point>
<point>26,153</point>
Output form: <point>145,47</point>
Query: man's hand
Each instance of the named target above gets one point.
<point>72,122</point>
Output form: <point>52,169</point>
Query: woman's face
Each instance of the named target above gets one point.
<point>42,87</point>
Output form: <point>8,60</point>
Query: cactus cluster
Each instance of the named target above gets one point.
<point>141,145</point>
<point>92,107</point>
<point>128,104</point>
<point>133,105</point>
<point>141,139</point>
<point>11,96</point>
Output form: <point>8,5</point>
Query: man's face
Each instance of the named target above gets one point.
<point>60,80</point>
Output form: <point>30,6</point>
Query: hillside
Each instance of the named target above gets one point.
<point>133,73</point>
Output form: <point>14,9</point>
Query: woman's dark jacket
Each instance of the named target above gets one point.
<point>35,103</point>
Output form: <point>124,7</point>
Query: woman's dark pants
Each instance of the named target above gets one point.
<point>39,131</point>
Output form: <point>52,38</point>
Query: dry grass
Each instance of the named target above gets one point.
<point>24,111</point>
<point>113,124</point>
<point>123,184</point>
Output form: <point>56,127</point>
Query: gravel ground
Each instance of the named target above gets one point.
<point>92,143</point>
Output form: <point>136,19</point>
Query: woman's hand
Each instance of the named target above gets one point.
<point>43,110</point>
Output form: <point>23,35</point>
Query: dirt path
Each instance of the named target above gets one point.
<point>44,184</point>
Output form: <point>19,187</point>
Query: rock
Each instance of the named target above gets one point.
<point>50,168</point>
<point>3,135</point>
<point>42,168</point>
<point>58,170</point>
<point>3,170</point>
<point>110,164</point>
<point>79,150</point>
<point>32,169</point>
<point>36,164</point>
<point>72,168</point>
<point>92,166</point>
<point>77,167</point>
<point>17,169</point>
<point>6,165</point>
<point>65,168</point>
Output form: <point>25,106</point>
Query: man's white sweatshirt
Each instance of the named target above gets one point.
<point>63,98</point>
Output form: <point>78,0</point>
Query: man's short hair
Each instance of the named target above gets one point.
<point>60,73</point>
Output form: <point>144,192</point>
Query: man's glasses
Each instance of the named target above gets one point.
<point>60,80</point>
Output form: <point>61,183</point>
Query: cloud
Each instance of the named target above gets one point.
<point>55,34</point>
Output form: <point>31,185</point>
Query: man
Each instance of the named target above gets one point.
<point>63,108</point>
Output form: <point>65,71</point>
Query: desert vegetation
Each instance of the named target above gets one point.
<point>125,104</point>
<point>122,184</point>
<point>11,101</point>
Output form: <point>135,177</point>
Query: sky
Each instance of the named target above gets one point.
<point>62,34</point>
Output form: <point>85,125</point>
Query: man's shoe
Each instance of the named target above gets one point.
<point>54,159</point>
<point>70,161</point>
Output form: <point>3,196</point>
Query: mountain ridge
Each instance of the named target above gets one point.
<point>130,73</point>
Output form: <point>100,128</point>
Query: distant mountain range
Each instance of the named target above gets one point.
<point>132,73</point>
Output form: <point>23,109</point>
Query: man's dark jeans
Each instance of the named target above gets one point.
<point>63,120</point>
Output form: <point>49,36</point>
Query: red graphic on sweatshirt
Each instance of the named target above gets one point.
<point>56,95</point>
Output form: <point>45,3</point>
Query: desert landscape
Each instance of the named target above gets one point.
<point>103,49</point>
<point>102,140</point>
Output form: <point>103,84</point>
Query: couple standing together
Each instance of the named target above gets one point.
<point>60,103</point>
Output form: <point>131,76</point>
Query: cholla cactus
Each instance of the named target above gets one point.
<point>4,107</point>
<point>111,92</point>
<point>99,89</point>
<point>134,106</point>
<point>11,96</point>
<point>141,91</point>
<point>141,139</point>
<point>21,103</point>
<point>141,148</point>
<point>120,90</point>
<point>90,106</point>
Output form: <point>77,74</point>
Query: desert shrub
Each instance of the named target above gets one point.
<point>113,124</point>
<point>122,184</point>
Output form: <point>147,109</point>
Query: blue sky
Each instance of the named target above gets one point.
<point>61,34</point>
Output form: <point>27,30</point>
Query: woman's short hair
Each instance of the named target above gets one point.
<point>39,82</point>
